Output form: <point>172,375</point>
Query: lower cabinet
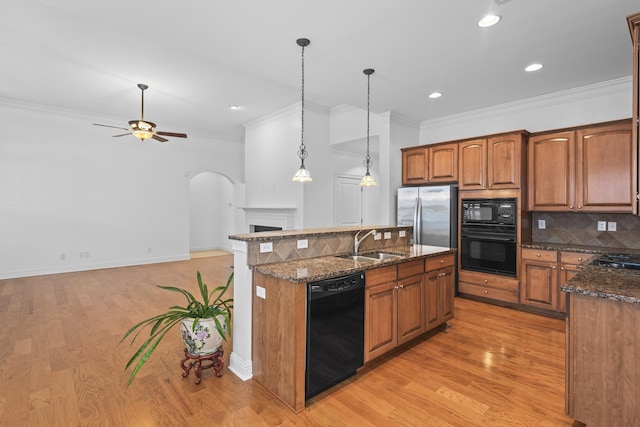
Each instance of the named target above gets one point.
<point>402,302</point>
<point>488,286</point>
<point>543,272</point>
<point>440,290</point>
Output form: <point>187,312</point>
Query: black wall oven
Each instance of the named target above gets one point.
<point>488,236</point>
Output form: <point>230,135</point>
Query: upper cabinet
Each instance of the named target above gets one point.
<point>586,169</point>
<point>492,163</point>
<point>430,164</point>
<point>634,27</point>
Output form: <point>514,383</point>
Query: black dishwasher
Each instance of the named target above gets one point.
<point>335,331</point>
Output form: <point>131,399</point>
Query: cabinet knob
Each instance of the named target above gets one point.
<point>441,261</point>
<point>579,207</point>
<point>561,268</point>
<point>571,207</point>
<point>554,267</point>
<point>401,286</point>
<point>579,258</point>
<point>486,292</point>
<point>537,255</point>
<point>486,281</point>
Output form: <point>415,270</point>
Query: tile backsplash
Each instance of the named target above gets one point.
<point>582,229</point>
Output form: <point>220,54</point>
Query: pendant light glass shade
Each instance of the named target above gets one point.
<point>302,175</point>
<point>367,179</point>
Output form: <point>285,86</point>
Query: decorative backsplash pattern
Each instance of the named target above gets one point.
<point>324,245</point>
<point>582,229</point>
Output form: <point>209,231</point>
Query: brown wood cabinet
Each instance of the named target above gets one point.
<point>568,269</point>
<point>539,279</point>
<point>394,306</point>
<point>493,163</point>
<point>440,290</point>
<point>634,28</point>
<point>430,164</point>
<point>488,286</point>
<point>586,169</point>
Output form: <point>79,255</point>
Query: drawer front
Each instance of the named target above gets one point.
<point>538,255</point>
<point>487,292</point>
<point>381,275</point>
<point>489,280</point>
<point>412,268</point>
<point>574,257</point>
<point>441,261</point>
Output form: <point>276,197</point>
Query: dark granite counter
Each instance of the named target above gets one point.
<point>602,282</point>
<point>312,232</point>
<point>319,268</point>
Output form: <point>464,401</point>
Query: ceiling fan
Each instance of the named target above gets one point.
<point>142,128</point>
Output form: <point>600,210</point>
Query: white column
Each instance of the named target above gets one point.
<point>240,359</point>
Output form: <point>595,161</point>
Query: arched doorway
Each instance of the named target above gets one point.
<point>211,212</point>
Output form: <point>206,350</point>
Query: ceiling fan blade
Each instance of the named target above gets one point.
<point>159,138</point>
<point>174,134</point>
<point>108,126</point>
<point>123,134</point>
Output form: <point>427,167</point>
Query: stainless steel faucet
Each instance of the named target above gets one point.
<point>356,242</point>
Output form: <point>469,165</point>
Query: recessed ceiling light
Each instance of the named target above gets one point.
<point>234,107</point>
<point>488,21</point>
<point>533,67</point>
<point>435,95</point>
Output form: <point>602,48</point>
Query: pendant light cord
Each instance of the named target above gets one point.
<point>302,153</point>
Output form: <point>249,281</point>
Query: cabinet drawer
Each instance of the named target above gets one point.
<point>441,261</point>
<point>488,292</point>
<point>489,280</point>
<point>574,257</point>
<point>412,268</point>
<point>380,275</point>
<point>539,255</point>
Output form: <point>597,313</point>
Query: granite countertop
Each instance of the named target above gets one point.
<point>603,282</point>
<point>325,267</point>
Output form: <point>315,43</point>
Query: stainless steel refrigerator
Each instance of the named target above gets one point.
<point>433,213</point>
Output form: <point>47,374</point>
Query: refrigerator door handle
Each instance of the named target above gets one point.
<point>415,222</point>
<point>418,222</point>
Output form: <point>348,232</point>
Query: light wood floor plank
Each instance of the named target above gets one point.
<point>60,364</point>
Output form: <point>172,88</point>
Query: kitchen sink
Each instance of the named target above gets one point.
<point>372,256</point>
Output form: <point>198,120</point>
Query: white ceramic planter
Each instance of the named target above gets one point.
<point>205,339</point>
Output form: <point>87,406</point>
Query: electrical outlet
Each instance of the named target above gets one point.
<point>602,225</point>
<point>261,292</point>
<point>542,224</point>
<point>377,236</point>
<point>612,226</point>
<point>266,247</point>
<point>387,234</point>
<point>303,244</point>
<point>403,233</point>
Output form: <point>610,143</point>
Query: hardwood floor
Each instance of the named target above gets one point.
<point>60,364</point>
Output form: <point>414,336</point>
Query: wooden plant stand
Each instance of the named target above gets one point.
<point>215,360</point>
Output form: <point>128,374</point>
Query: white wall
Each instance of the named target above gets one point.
<point>74,198</point>
<point>211,212</point>
<point>597,103</point>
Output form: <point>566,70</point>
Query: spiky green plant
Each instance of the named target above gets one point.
<point>211,306</point>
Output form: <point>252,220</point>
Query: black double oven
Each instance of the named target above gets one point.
<point>488,235</point>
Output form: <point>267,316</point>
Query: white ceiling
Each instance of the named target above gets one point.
<point>198,57</point>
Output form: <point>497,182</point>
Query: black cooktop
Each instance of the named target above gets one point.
<point>628,261</point>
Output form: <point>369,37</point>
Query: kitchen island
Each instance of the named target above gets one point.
<point>603,346</point>
<point>276,292</point>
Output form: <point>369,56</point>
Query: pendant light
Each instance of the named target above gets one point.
<point>367,179</point>
<point>302,175</point>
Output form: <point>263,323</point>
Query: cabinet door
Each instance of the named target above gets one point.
<point>567,271</point>
<point>443,163</point>
<point>410,308</point>
<point>504,157</point>
<point>415,166</point>
<point>381,326</point>
<point>540,284</point>
<point>473,165</point>
<point>446,286</point>
<point>551,172</point>
<point>606,169</point>
<point>431,311</point>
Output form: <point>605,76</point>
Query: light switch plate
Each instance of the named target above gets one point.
<point>377,236</point>
<point>403,233</point>
<point>612,226</point>
<point>602,225</point>
<point>303,244</point>
<point>261,292</point>
<point>387,234</point>
<point>542,224</point>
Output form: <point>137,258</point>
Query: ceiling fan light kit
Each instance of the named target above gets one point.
<point>143,129</point>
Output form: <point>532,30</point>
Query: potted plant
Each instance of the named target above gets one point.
<point>203,323</point>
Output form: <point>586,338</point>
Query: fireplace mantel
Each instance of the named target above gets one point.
<point>273,216</point>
